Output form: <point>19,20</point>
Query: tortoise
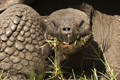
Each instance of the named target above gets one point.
<point>96,39</point>
<point>23,31</point>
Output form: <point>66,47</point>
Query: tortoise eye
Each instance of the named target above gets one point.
<point>54,25</point>
<point>80,25</point>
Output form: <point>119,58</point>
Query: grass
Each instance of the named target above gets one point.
<point>58,73</point>
<point>2,74</point>
<point>57,69</point>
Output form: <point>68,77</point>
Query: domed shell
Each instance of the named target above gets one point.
<point>6,3</point>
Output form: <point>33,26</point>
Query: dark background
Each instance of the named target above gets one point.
<point>45,7</point>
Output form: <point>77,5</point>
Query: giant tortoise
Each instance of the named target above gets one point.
<point>87,41</point>
<point>83,39</point>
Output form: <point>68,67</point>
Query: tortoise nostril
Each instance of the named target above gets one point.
<point>68,29</point>
<point>64,29</point>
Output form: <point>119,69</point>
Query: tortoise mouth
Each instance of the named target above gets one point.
<point>82,40</point>
<point>76,43</point>
<point>76,46</point>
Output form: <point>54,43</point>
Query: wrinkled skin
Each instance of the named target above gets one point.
<point>21,35</point>
<point>105,30</point>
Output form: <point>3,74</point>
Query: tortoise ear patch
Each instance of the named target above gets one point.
<point>80,25</point>
<point>54,25</point>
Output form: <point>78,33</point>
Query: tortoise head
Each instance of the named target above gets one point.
<point>68,26</point>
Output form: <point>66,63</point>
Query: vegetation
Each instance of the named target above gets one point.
<point>57,73</point>
<point>57,69</point>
